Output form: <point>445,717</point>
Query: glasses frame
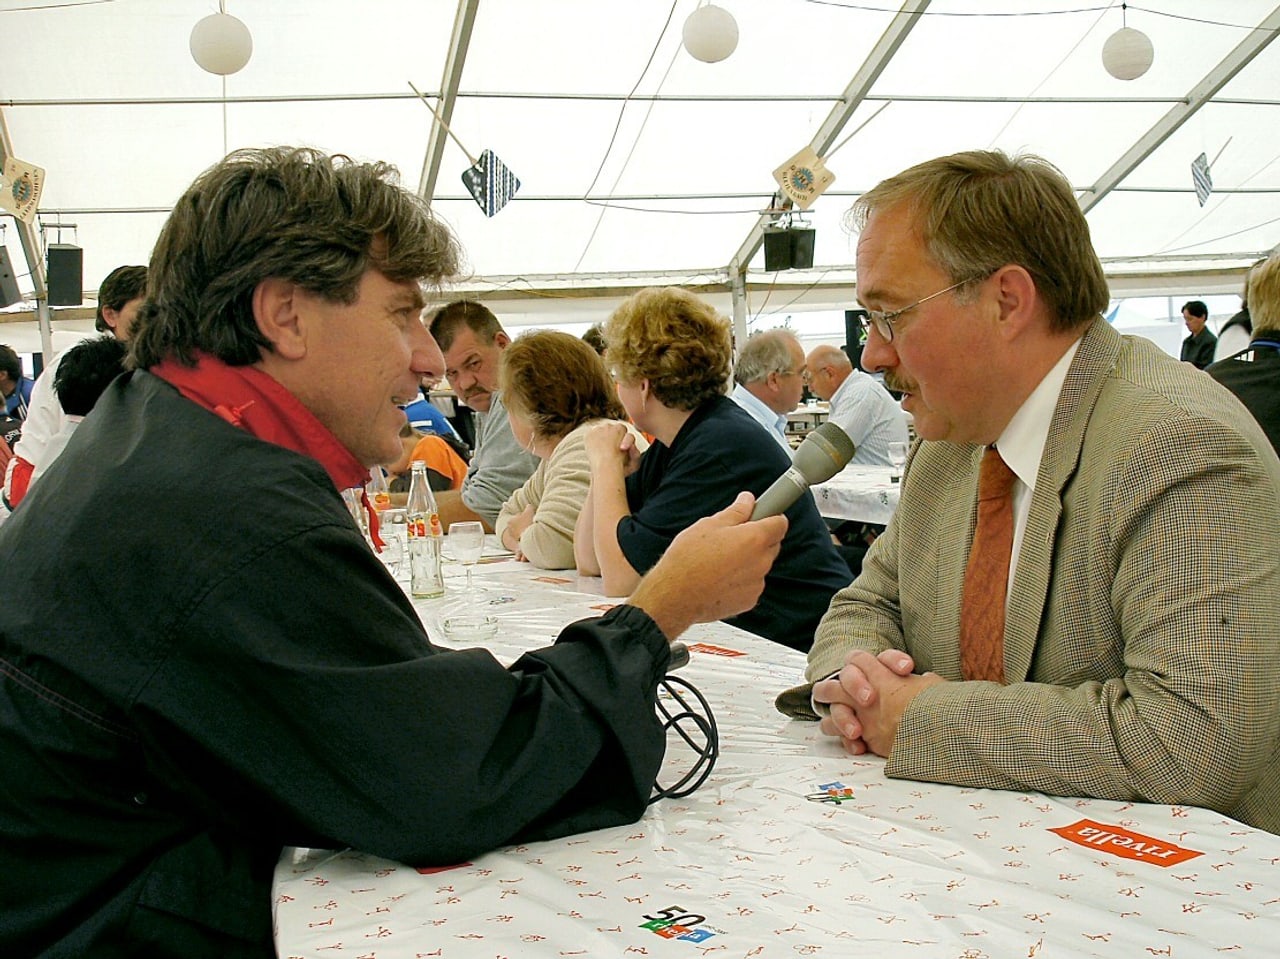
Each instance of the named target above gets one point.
<point>883,320</point>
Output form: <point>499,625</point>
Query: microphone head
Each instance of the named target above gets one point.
<point>824,453</point>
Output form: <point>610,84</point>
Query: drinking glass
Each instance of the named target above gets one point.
<point>392,530</point>
<point>466,540</point>
<point>898,457</point>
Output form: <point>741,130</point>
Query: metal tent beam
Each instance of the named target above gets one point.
<point>864,79</point>
<point>459,43</point>
<point>1235,61</point>
<point>31,250</point>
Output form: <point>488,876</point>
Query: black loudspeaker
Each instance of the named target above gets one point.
<point>66,275</point>
<point>802,248</point>
<point>777,250</point>
<point>9,292</point>
<point>788,249</point>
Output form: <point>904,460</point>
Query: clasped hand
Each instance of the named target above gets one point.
<point>868,697</point>
<point>612,442</point>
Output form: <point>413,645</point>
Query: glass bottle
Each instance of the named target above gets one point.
<point>379,494</point>
<point>426,537</point>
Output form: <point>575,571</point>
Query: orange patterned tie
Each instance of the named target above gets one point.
<point>986,580</point>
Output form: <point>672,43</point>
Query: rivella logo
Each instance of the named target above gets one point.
<point>675,922</point>
<point>1125,844</point>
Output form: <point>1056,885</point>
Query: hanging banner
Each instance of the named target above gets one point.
<point>20,189</point>
<point>803,178</point>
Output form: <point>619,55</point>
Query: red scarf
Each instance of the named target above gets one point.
<point>255,402</point>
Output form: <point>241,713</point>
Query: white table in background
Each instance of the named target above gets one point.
<point>864,494</point>
<point>793,848</point>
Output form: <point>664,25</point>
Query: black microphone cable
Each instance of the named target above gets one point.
<point>695,724</point>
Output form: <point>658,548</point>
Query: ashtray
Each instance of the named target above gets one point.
<point>470,629</point>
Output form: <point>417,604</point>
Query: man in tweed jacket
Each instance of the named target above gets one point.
<point>1142,642</point>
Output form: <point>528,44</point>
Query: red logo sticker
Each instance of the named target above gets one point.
<point>714,650</point>
<point>1125,844</point>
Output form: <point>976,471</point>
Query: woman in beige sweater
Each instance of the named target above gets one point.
<point>555,388</point>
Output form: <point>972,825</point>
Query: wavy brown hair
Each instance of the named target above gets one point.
<point>980,210</point>
<point>557,382</point>
<point>293,214</point>
<point>673,339</point>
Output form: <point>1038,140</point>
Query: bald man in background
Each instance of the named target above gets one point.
<point>859,404</point>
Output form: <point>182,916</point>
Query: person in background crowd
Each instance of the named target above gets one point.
<point>769,377</point>
<point>555,388</point>
<point>473,341</point>
<point>119,298</point>
<point>594,337</point>
<point>1106,629</point>
<point>1253,374</point>
<point>83,373</point>
<point>169,723</point>
<point>425,417</point>
<point>1197,348</point>
<point>858,404</point>
<point>446,467</point>
<point>10,433</point>
<point>670,353</point>
<point>870,417</point>
<point>1237,331</point>
<point>15,387</point>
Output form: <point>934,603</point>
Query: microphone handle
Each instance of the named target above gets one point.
<point>782,492</point>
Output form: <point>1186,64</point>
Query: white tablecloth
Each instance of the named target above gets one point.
<point>793,848</point>
<point>866,494</point>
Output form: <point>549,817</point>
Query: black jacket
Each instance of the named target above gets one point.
<point>1254,376</point>
<point>202,662</point>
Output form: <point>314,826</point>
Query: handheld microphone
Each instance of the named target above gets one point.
<point>823,454</point>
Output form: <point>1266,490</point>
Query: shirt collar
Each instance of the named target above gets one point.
<point>762,412</point>
<point>1021,444</point>
<point>257,403</point>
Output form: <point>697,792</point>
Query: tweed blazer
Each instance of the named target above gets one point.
<point>1142,641</point>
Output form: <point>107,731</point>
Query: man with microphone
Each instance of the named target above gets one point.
<point>1065,600</point>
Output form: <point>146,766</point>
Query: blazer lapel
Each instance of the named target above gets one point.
<point>1099,350</point>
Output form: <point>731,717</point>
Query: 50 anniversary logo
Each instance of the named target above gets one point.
<point>675,923</point>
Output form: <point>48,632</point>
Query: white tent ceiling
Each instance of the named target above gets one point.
<point>640,164</point>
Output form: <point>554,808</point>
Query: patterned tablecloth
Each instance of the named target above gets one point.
<point>866,494</point>
<point>793,848</point>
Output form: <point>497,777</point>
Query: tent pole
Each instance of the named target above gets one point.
<point>31,250</point>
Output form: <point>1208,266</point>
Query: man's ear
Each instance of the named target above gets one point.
<point>501,340</point>
<point>1018,299</point>
<point>277,310</point>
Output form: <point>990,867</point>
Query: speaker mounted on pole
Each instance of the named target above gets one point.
<point>9,292</point>
<point>65,275</point>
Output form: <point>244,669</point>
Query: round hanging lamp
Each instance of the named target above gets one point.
<point>1127,54</point>
<point>710,34</point>
<point>221,44</point>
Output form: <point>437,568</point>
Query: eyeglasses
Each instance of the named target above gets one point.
<point>883,321</point>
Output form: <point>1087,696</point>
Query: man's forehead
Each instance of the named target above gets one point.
<point>890,249</point>
<point>464,347</point>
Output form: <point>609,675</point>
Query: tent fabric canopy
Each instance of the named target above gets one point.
<point>640,164</point>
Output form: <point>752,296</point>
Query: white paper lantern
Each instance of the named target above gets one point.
<point>710,34</point>
<point>221,44</point>
<point>1127,54</point>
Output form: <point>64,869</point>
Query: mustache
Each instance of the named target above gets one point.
<point>898,385</point>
